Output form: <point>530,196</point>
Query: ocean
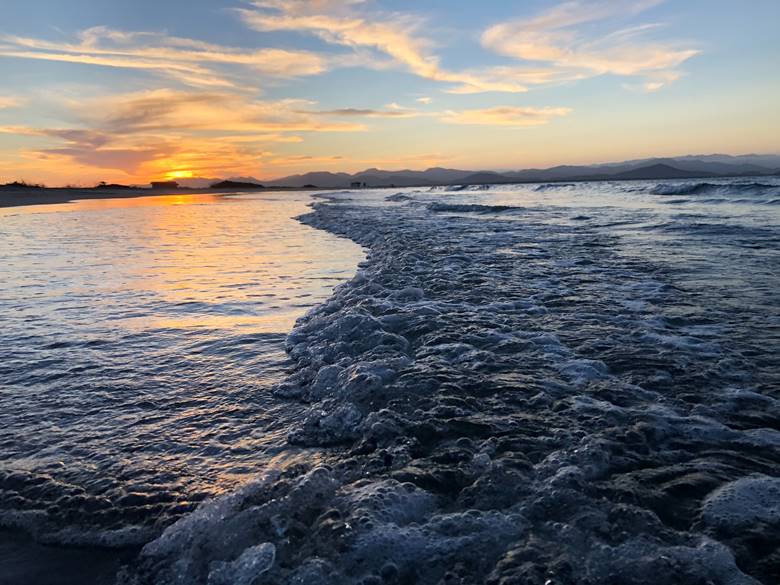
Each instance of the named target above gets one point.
<point>539,383</point>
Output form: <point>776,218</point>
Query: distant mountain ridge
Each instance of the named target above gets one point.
<point>682,167</point>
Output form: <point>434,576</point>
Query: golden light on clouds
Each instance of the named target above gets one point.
<point>287,86</point>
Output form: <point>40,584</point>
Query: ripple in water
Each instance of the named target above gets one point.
<point>572,386</point>
<point>568,385</point>
<point>140,338</point>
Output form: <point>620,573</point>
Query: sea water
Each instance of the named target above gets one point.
<point>139,341</point>
<point>552,383</point>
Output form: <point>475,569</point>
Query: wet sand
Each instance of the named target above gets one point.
<point>50,196</point>
<point>25,561</point>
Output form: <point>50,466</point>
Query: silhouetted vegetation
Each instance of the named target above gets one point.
<point>165,185</point>
<point>236,185</point>
<point>21,186</point>
<point>113,186</point>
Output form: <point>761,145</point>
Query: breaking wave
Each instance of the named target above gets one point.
<point>551,186</point>
<point>398,198</point>
<point>471,208</point>
<point>456,188</point>
<point>714,188</point>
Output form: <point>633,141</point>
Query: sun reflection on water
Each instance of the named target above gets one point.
<point>154,326</point>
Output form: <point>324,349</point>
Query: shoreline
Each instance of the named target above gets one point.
<point>23,198</point>
<point>33,558</point>
<point>479,440</point>
<point>30,561</point>
<point>46,195</point>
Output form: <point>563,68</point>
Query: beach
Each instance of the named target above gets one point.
<point>16,198</point>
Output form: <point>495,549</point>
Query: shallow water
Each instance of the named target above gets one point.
<point>522,384</point>
<point>139,341</point>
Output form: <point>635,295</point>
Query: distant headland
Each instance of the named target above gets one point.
<point>21,192</point>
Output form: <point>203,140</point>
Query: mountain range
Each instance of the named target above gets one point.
<point>681,167</point>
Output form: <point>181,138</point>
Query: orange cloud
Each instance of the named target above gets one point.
<point>167,110</point>
<point>149,133</point>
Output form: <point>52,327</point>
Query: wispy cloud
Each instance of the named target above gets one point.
<point>516,116</point>
<point>505,116</point>
<point>394,35</point>
<point>170,110</point>
<point>560,39</point>
<point>392,111</point>
<point>298,159</point>
<point>188,61</point>
<point>9,102</point>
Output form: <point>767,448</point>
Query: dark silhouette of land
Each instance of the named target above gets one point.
<point>21,193</point>
<point>236,185</point>
<point>684,167</point>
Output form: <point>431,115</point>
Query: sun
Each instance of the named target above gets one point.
<point>178,175</point>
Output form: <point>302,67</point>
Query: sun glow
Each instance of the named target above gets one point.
<point>179,175</point>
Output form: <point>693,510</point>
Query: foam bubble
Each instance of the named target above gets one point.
<point>742,503</point>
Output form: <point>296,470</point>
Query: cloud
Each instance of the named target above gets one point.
<point>505,116</point>
<point>166,110</point>
<point>126,160</point>
<point>7,102</point>
<point>188,61</point>
<point>497,116</point>
<point>147,133</point>
<point>392,111</point>
<point>551,38</point>
<point>394,35</point>
<point>296,160</point>
<point>425,100</point>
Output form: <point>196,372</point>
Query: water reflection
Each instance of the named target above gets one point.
<point>140,341</point>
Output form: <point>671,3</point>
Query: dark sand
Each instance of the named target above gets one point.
<point>13,198</point>
<point>25,561</point>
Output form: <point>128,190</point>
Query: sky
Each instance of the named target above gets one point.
<point>119,91</point>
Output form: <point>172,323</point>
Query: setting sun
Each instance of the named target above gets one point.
<point>179,175</point>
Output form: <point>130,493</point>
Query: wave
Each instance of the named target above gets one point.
<point>333,195</point>
<point>472,188</point>
<point>714,188</point>
<point>398,198</point>
<point>44,508</point>
<point>455,188</point>
<point>551,186</point>
<point>470,208</point>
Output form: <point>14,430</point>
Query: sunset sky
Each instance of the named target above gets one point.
<point>133,91</point>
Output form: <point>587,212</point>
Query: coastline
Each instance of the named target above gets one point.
<point>46,558</point>
<point>26,561</point>
<point>477,402</point>
<point>13,198</point>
